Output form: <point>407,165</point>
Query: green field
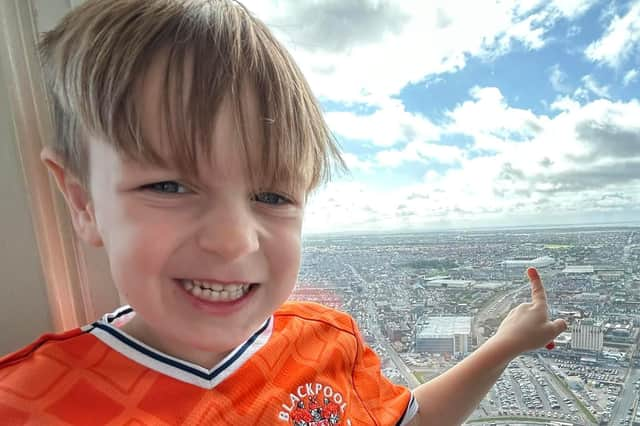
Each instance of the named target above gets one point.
<point>557,246</point>
<point>425,376</point>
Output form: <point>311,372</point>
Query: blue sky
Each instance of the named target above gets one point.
<point>454,114</point>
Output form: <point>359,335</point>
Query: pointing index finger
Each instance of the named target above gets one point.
<point>538,294</point>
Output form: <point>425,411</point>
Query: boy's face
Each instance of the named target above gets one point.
<point>166,237</point>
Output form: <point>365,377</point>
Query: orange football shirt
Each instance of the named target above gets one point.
<point>307,365</point>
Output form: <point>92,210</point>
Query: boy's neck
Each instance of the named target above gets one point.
<point>138,329</point>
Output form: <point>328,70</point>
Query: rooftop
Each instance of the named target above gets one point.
<point>448,283</point>
<point>435,327</point>
<point>578,269</point>
<point>538,262</point>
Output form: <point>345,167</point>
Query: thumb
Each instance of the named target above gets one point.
<point>559,326</point>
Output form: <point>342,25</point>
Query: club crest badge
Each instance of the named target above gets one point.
<point>314,404</point>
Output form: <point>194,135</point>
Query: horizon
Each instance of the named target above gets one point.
<point>575,226</point>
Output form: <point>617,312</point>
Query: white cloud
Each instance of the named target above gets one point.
<point>591,85</point>
<point>486,117</point>
<point>574,168</point>
<point>366,57</point>
<point>558,79</point>
<point>629,77</point>
<point>420,152</point>
<point>620,40</point>
<point>573,31</point>
<point>487,113</point>
<point>564,103</point>
<point>387,126</point>
<point>355,163</point>
<point>573,8</point>
<point>351,206</point>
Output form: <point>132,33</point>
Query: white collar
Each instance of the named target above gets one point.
<point>106,330</point>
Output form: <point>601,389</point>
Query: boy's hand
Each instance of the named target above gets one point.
<point>528,326</point>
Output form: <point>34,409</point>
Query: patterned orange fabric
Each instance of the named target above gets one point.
<point>313,370</point>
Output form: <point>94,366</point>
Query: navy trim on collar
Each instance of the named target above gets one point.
<point>172,362</point>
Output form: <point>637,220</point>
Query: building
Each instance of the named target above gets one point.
<point>442,335</point>
<point>324,295</point>
<point>447,283</point>
<point>587,335</point>
<point>515,268</point>
<point>489,285</point>
<point>610,274</point>
<point>563,340</point>
<point>522,264</point>
<point>578,270</point>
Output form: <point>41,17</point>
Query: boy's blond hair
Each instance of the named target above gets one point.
<point>95,61</point>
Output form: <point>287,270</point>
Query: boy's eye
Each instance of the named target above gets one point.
<point>166,187</point>
<point>270,198</point>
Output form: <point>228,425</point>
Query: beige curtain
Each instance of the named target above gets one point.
<point>49,281</point>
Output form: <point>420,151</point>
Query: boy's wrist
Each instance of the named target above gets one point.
<point>501,349</point>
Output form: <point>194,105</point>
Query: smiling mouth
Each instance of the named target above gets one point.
<point>216,292</point>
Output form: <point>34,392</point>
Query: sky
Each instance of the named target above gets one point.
<point>465,114</point>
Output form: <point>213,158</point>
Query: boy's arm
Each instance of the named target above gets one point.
<point>451,397</point>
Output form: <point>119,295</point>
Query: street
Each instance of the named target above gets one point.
<point>373,326</point>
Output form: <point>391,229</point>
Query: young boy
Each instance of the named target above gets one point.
<point>187,143</point>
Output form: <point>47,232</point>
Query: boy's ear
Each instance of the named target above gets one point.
<point>77,197</point>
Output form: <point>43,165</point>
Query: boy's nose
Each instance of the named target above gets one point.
<point>230,234</point>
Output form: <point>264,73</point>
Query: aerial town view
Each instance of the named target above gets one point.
<point>424,301</point>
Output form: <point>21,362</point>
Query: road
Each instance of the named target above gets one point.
<point>553,380</point>
<point>494,309</point>
<point>627,397</point>
<point>500,306</point>
<point>627,249</point>
<point>374,327</point>
<point>629,394</point>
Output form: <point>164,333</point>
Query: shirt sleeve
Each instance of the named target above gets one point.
<point>387,403</point>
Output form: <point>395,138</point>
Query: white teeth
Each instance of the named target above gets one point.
<point>215,292</point>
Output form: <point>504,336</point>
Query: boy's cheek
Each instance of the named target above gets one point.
<point>136,248</point>
<point>285,250</point>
